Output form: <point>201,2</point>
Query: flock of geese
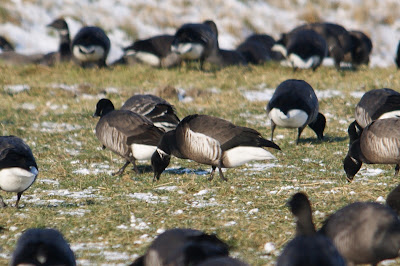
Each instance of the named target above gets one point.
<point>146,127</point>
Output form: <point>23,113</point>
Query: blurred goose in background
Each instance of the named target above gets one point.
<point>361,49</point>
<point>393,199</point>
<point>182,247</point>
<point>257,49</point>
<point>18,168</point>
<point>8,55</point>
<point>303,48</point>
<point>64,49</point>
<point>379,144</point>
<point>212,141</point>
<point>39,246</point>
<point>5,45</point>
<point>374,104</point>
<point>364,232</point>
<point>295,105</point>
<point>128,134</point>
<point>158,110</point>
<point>91,46</point>
<point>308,248</point>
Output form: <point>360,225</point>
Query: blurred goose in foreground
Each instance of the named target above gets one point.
<point>374,104</point>
<point>308,248</point>
<point>182,247</point>
<point>379,144</point>
<point>364,232</point>
<point>128,134</point>
<point>38,246</point>
<point>212,141</point>
<point>18,168</point>
<point>393,199</point>
<point>295,105</point>
<point>91,46</point>
<point>158,110</point>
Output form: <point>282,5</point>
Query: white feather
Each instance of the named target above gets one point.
<point>16,179</point>
<point>142,152</point>
<point>191,51</point>
<point>148,58</point>
<point>295,118</point>
<point>299,62</point>
<point>279,48</point>
<point>392,114</point>
<point>242,154</point>
<point>88,53</point>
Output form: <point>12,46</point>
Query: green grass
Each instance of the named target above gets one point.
<point>312,166</point>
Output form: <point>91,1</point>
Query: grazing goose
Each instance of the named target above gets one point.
<point>364,232</point>
<point>90,46</point>
<point>155,51</point>
<point>158,110</point>
<point>5,45</point>
<point>375,104</point>
<point>18,168</point>
<point>379,144</point>
<point>295,105</point>
<point>302,48</point>
<point>212,141</point>
<point>38,246</point>
<point>64,50</point>
<point>182,247</point>
<point>308,248</point>
<point>257,49</point>
<point>361,49</point>
<point>128,134</point>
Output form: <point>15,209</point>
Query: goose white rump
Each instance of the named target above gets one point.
<point>16,179</point>
<point>295,118</point>
<point>147,58</point>
<point>392,114</point>
<point>142,152</point>
<point>188,50</point>
<point>299,62</point>
<point>243,154</point>
<point>88,53</point>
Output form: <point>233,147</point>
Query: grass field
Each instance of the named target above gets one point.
<point>111,220</point>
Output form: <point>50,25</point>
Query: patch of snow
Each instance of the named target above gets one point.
<point>269,247</point>
<point>327,94</point>
<point>80,212</point>
<point>53,127</point>
<point>168,188</point>
<point>28,106</point>
<point>357,94</point>
<point>381,199</point>
<point>201,192</point>
<point>138,224</point>
<point>148,197</point>
<point>231,223</point>
<point>14,89</point>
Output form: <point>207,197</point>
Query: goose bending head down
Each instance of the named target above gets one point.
<point>212,141</point>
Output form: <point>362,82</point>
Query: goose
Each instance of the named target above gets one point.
<point>18,168</point>
<point>393,199</point>
<point>5,45</point>
<point>257,49</point>
<point>182,246</point>
<point>91,46</point>
<point>364,232</point>
<point>158,110</point>
<point>361,49</point>
<point>303,48</point>
<point>154,51</point>
<point>64,49</point>
<point>374,104</point>
<point>379,144</point>
<point>42,246</point>
<point>308,248</point>
<point>212,141</point>
<point>128,134</point>
<point>295,105</point>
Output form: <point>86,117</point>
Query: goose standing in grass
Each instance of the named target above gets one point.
<point>295,105</point>
<point>91,46</point>
<point>374,104</point>
<point>308,248</point>
<point>39,246</point>
<point>379,144</point>
<point>303,48</point>
<point>64,49</point>
<point>182,247</point>
<point>128,134</point>
<point>364,232</point>
<point>212,141</point>
<point>158,110</point>
<point>18,168</point>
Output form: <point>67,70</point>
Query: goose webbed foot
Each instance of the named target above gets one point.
<point>212,173</point>
<point>2,203</point>
<point>221,175</point>
<point>121,170</point>
<point>396,170</point>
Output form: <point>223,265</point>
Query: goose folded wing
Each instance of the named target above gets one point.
<point>243,136</point>
<point>392,103</point>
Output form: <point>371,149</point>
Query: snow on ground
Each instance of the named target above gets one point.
<point>125,20</point>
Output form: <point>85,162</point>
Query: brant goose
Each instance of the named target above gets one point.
<point>128,134</point>
<point>64,50</point>
<point>374,104</point>
<point>308,248</point>
<point>90,46</point>
<point>360,50</point>
<point>18,168</point>
<point>295,105</point>
<point>379,143</point>
<point>158,110</point>
<point>212,141</point>
<point>364,232</point>
<point>5,45</point>
<point>182,247</point>
<point>257,49</point>
<point>155,51</point>
<point>303,48</point>
<point>38,246</point>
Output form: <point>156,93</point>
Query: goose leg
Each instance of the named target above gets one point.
<point>135,167</point>
<point>122,169</point>
<point>2,203</point>
<point>298,134</point>
<point>273,126</point>
<point>221,175</point>
<point>212,173</point>
<point>19,194</point>
<point>396,170</point>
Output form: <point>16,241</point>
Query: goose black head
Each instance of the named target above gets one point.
<point>103,107</point>
<point>58,24</point>
<point>351,166</point>
<point>318,126</point>
<point>354,131</point>
<point>159,161</point>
